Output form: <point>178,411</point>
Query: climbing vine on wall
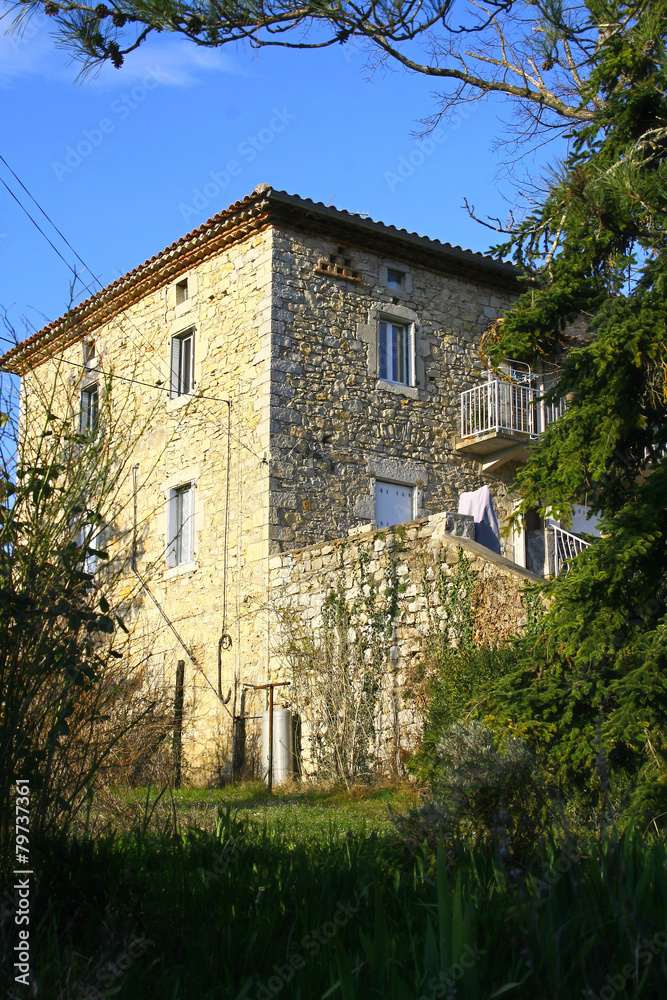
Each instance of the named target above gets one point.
<point>455,672</point>
<point>338,669</point>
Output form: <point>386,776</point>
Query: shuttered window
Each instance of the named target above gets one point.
<point>182,364</point>
<point>394,504</point>
<point>180,545</point>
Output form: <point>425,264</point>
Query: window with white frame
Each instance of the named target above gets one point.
<point>394,503</point>
<point>89,402</point>
<point>180,516</point>
<point>182,364</point>
<point>396,364</point>
<point>395,280</point>
<point>88,536</point>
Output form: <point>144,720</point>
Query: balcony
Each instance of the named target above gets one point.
<point>566,546</point>
<point>500,419</point>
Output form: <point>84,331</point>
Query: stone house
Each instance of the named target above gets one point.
<point>302,374</point>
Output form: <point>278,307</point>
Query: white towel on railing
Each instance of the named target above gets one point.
<point>480,505</point>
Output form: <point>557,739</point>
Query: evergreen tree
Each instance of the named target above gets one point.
<point>595,249</point>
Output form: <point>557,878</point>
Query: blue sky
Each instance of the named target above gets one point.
<point>129,161</point>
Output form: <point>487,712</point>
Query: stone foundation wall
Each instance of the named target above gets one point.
<point>401,567</point>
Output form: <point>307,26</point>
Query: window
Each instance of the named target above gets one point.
<point>395,353</point>
<point>394,280</point>
<point>180,545</point>
<point>88,410</point>
<point>394,504</point>
<point>89,356</point>
<point>182,364</point>
<point>89,536</point>
<point>181,291</point>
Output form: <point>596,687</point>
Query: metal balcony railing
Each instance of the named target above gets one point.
<point>566,547</point>
<point>506,408</point>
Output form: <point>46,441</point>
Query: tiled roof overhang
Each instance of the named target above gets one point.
<point>263,208</point>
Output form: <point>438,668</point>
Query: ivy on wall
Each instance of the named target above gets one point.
<point>338,669</point>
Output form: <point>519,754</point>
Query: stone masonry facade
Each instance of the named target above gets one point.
<point>285,429</point>
<point>335,425</point>
<point>413,559</point>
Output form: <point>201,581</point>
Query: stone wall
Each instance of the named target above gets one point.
<point>174,441</point>
<point>287,429</point>
<point>336,426</point>
<point>407,562</point>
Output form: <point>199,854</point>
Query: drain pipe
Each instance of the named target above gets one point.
<point>225,640</point>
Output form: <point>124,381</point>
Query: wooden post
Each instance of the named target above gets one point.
<point>178,721</point>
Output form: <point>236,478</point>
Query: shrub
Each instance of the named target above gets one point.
<point>458,684</point>
<point>483,787</point>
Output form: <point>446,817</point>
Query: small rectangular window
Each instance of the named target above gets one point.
<point>88,410</point>
<point>180,543</point>
<point>181,291</point>
<point>182,364</point>
<point>395,353</point>
<point>394,503</point>
<point>89,356</point>
<point>395,280</point>
<point>89,536</point>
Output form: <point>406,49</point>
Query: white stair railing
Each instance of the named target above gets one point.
<point>566,547</point>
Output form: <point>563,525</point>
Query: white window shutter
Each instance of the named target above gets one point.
<point>174,387</point>
<point>171,528</point>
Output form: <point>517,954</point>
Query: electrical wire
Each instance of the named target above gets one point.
<point>89,289</point>
<point>46,216</point>
<point>37,226</point>
<point>224,637</point>
<point>77,276</point>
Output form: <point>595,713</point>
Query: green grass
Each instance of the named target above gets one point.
<point>307,811</point>
<point>311,895</point>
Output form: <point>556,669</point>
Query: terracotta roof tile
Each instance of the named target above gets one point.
<point>251,213</point>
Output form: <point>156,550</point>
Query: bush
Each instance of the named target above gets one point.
<point>459,679</point>
<point>71,688</point>
<point>484,788</point>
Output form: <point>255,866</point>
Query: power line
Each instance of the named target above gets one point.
<point>89,289</point>
<point>47,217</point>
<point>37,226</point>
<point>77,276</point>
<point>147,385</point>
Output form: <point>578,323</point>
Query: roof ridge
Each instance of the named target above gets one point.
<point>255,207</point>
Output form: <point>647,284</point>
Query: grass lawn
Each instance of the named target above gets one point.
<point>304,811</point>
<point>228,894</point>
